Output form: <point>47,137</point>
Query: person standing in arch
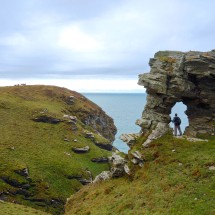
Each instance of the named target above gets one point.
<point>177,122</point>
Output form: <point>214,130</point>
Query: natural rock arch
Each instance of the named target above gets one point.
<point>179,77</point>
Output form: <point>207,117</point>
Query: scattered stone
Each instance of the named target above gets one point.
<point>180,164</point>
<point>173,150</point>
<point>81,150</point>
<point>136,158</point>
<point>23,172</point>
<point>134,161</point>
<point>105,175</point>
<point>192,139</point>
<point>160,130</point>
<point>100,160</point>
<point>137,155</point>
<point>89,135</point>
<point>67,140</point>
<point>117,165</point>
<point>85,181</point>
<point>127,169</point>
<point>106,146</point>
<point>47,119</point>
<point>75,140</point>
<point>79,178</point>
<point>66,153</point>
<point>72,119</point>
<point>212,168</point>
<point>129,138</point>
<point>70,100</point>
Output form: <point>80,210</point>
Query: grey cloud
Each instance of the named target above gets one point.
<point>129,32</point>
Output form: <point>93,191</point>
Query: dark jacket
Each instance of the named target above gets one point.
<point>176,120</point>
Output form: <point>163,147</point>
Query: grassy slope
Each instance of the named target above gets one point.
<point>14,209</point>
<point>171,182</point>
<point>40,146</point>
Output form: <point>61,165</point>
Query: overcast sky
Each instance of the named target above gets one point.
<point>96,45</point>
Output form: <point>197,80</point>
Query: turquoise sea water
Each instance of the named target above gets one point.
<point>125,109</point>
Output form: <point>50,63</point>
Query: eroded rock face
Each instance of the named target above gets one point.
<point>179,77</point>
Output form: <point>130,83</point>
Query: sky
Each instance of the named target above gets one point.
<point>96,45</point>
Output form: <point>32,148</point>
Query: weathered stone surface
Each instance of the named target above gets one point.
<point>99,121</point>
<point>81,150</point>
<point>89,135</point>
<point>47,119</point>
<point>100,160</point>
<point>127,169</point>
<point>179,77</point>
<point>136,158</point>
<point>80,178</point>
<point>105,175</point>
<point>212,168</point>
<point>105,146</point>
<point>71,119</point>
<point>117,165</point>
<point>23,172</point>
<point>129,138</point>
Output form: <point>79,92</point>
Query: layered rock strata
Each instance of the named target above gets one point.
<point>187,77</point>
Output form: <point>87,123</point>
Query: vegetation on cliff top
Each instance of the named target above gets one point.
<point>38,167</point>
<point>175,179</point>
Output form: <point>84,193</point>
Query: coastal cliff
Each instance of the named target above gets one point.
<point>52,143</point>
<point>163,174</point>
<point>187,77</point>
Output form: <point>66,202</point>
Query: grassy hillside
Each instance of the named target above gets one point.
<point>175,179</point>
<point>14,209</point>
<point>38,167</point>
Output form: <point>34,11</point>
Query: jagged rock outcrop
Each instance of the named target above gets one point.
<point>118,168</point>
<point>129,138</point>
<point>187,77</point>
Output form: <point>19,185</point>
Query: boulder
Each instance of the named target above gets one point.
<point>136,158</point>
<point>212,168</point>
<point>105,146</point>
<point>71,119</point>
<point>47,119</point>
<point>81,150</point>
<point>117,165</point>
<point>89,135</point>
<point>100,160</point>
<point>23,172</point>
<point>105,175</point>
<point>129,138</point>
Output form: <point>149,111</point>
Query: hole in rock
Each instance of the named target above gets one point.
<point>180,109</point>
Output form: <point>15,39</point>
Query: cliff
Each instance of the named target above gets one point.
<point>179,77</point>
<point>163,174</point>
<point>52,140</point>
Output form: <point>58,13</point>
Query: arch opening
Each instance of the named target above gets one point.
<point>180,109</point>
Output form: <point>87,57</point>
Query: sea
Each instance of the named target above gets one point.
<point>125,109</point>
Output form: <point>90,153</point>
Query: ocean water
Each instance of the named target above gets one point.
<point>125,109</point>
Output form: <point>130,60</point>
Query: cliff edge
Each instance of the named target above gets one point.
<point>53,141</point>
<point>187,77</point>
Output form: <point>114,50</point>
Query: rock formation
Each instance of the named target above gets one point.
<point>187,77</point>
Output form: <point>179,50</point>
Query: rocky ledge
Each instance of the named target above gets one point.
<point>187,77</point>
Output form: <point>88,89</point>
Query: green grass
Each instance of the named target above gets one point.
<point>175,180</point>
<point>14,209</point>
<point>41,148</point>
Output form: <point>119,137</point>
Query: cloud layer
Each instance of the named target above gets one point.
<point>46,39</point>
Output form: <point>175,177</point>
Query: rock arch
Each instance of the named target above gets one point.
<point>187,77</point>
